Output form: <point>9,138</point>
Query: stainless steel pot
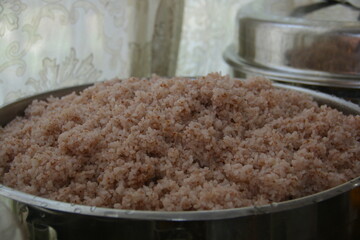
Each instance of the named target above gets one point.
<point>311,43</point>
<point>331,214</point>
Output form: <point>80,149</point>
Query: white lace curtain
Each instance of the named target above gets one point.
<point>47,44</point>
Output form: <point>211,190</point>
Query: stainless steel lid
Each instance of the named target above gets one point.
<point>305,41</point>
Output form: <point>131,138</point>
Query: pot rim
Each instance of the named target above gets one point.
<point>289,74</point>
<point>202,215</point>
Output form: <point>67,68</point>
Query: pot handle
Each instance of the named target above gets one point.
<point>354,3</point>
<point>39,231</point>
<point>170,231</point>
<point>307,9</point>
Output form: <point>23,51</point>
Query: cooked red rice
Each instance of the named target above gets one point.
<point>179,144</point>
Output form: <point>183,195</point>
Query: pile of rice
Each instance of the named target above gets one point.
<point>179,144</point>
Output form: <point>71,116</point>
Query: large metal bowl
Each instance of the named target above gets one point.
<point>331,214</point>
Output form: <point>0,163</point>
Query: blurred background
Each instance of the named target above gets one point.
<point>47,44</point>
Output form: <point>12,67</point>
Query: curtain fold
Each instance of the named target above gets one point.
<point>166,38</point>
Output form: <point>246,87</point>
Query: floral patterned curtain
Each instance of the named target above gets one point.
<point>50,44</point>
<point>47,44</point>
